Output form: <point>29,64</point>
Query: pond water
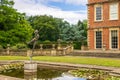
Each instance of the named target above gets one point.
<point>60,74</point>
<point>42,74</point>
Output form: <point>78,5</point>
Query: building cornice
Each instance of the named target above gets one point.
<point>101,2</point>
<point>104,27</point>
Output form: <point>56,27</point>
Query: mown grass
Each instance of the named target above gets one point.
<point>70,59</point>
<point>13,58</point>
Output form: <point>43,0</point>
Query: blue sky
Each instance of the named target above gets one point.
<point>69,10</point>
<point>67,7</point>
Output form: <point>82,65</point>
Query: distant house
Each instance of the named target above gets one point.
<point>104,24</point>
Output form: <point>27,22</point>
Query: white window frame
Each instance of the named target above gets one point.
<point>95,16</point>
<point>113,12</point>
<point>111,40</point>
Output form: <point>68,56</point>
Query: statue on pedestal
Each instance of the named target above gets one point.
<point>34,40</point>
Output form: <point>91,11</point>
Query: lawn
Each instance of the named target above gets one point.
<point>70,59</point>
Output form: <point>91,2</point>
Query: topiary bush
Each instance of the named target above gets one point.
<point>1,47</point>
<point>14,47</point>
<point>19,46</point>
<point>77,45</point>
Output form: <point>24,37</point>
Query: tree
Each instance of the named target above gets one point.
<point>81,30</point>
<point>53,29</point>
<point>64,27</point>
<point>76,32</point>
<point>85,27</point>
<point>48,26</point>
<point>13,26</point>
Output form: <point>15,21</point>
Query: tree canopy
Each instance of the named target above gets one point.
<point>14,28</point>
<point>54,28</point>
<point>48,26</point>
<point>69,32</point>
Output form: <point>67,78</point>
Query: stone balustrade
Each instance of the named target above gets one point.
<point>55,50</point>
<point>51,52</point>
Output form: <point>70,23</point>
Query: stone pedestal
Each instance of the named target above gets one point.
<point>30,67</point>
<point>30,76</point>
<point>29,52</point>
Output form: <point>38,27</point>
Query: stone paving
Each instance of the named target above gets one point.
<point>9,78</point>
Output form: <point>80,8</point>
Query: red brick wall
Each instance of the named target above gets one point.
<point>106,22</point>
<point>91,39</point>
<point>106,37</point>
<point>119,39</point>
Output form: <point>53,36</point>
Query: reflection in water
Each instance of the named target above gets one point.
<point>59,74</point>
<point>42,74</point>
<point>30,76</point>
<point>49,73</point>
<point>68,77</point>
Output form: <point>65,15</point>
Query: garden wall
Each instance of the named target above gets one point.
<point>20,52</point>
<point>110,54</point>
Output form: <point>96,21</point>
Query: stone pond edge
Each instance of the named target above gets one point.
<point>114,71</point>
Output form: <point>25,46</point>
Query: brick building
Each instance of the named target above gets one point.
<point>104,24</point>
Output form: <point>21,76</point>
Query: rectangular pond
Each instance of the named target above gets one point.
<point>51,73</point>
<point>42,74</point>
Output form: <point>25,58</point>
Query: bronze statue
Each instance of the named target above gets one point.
<point>34,40</point>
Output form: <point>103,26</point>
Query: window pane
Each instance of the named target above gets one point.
<point>98,39</point>
<point>114,39</point>
<point>98,13</point>
<point>114,11</point>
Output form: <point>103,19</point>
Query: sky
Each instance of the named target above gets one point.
<point>69,10</point>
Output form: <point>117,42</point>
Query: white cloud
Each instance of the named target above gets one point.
<point>56,0</point>
<point>76,2</point>
<point>31,8</point>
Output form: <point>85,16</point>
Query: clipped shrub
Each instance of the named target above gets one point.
<point>84,43</point>
<point>14,47</point>
<point>47,41</point>
<point>77,45</point>
<point>21,46</point>
<point>1,47</point>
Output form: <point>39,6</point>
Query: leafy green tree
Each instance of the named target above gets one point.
<point>85,27</point>
<point>48,26</point>
<point>52,29</point>
<point>81,31</point>
<point>63,30</point>
<point>81,34</point>
<point>13,26</point>
<point>74,32</point>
